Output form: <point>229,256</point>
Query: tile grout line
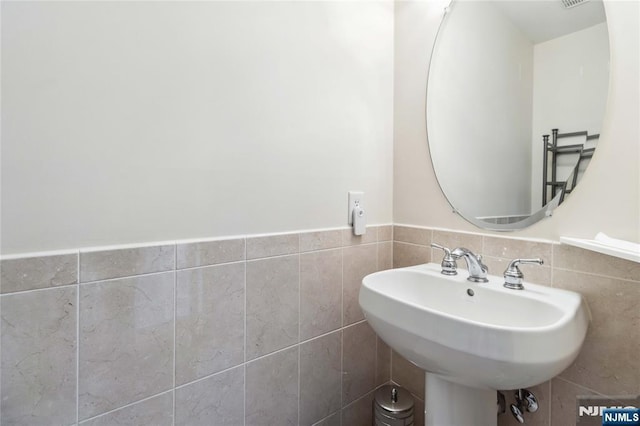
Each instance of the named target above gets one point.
<point>78,338</point>
<point>299,324</point>
<point>550,390</point>
<point>581,386</point>
<point>175,335</point>
<point>341,333</point>
<point>244,364</point>
<point>37,290</point>
<point>127,405</point>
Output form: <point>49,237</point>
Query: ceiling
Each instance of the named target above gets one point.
<point>543,20</point>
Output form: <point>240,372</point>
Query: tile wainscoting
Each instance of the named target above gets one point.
<point>259,330</point>
<point>608,363</point>
<point>252,330</point>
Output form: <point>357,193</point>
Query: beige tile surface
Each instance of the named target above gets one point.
<point>272,245</point>
<point>608,362</point>
<point>126,341</point>
<point>217,400</point>
<point>320,292</point>
<point>510,248</point>
<point>577,259</point>
<point>209,321</point>
<point>410,255</point>
<point>412,235</point>
<point>383,362</point>
<point>31,273</point>
<point>332,420</point>
<point>370,236</point>
<point>359,412</point>
<point>358,362</point>
<point>564,402</point>
<point>453,240</point>
<point>418,411</point>
<point>407,375</point>
<point>268,377</point>
<point>385,255</point>
<point>385,233</point>
<point>320,240</point>
<point>205,253</point>
<point>107,264</point>
<point>156,411</point>
<point>359,261</point>
<point>38,357</point>
<point>320,377</point>
<point>272,304</point>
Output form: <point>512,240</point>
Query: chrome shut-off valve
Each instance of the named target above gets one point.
<point>525,400</point>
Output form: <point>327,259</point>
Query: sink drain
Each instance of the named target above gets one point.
<point>470,292</point>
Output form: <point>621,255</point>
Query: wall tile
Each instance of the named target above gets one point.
<point>359,362</point>
<point>210,320</point>
<point>320,240</point>
<point>577,259</point>
<point>407,375</point>
<point>272,389</point>
<point>203,253</point>
<point>218,400</point>
<point>383,362</point>
<point>510,248</point>
<point>608,362</point>
<point>540,417</point>
<point>385,255</point>
<point>532,273</point>
<point>359,261</point>
<point>107,264</point>
<point>452,240</point>
<point>360,412</point>
<point>385,233</point>
<point>320,377</point>
<point>563,401</point>
<point>38,344</point>
<point>332,420</point>
<point>126,341</point>
<point>410,255</point>
<point>31,273</point>
<point>320,292</point>
<point>418,411</point>
<point>272,245</point>
<point>156,411</point>
<point>370,236</point>
<point>272,304</point>
<point>407,234</point>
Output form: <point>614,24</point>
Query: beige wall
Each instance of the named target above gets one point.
<point>126,122</point>
<point>608,197</point>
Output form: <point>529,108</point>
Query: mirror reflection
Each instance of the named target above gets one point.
<point>515,101</point>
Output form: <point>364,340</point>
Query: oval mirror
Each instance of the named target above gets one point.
<point>516,96</point>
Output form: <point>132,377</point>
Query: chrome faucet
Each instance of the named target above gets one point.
<point>477,270</point>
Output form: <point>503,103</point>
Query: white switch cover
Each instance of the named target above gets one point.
<point>355,198</point>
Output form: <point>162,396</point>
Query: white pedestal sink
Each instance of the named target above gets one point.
<point>473,339</point>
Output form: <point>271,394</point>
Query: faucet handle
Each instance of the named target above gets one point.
<point>449,265</point>
<point>513,276</point>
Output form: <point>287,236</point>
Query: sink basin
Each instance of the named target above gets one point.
<point>477,335</point>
